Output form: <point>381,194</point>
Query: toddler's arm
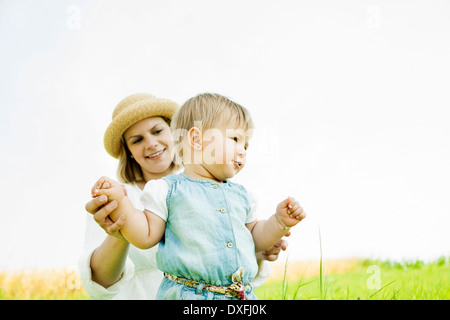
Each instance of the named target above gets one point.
<point>267,232</point>
<point>143,229</point>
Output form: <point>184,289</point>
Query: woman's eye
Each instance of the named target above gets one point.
<point>137,141</point>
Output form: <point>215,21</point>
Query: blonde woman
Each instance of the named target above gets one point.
<point>139,137</point>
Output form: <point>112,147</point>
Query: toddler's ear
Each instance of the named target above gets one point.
<point>195,138</point>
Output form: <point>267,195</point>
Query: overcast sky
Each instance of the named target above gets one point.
<point>350,100</point>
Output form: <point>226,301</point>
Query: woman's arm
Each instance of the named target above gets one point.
<point>108,260</point>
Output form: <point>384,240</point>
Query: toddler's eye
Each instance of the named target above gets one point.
<point>157,131</point>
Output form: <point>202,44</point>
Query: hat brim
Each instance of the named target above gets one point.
<point>132,114</point>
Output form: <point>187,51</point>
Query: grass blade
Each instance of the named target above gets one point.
<point>285,285</point>
<point>382,288</point>
<point>320,268</point>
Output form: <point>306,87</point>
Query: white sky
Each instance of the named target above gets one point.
<point>350,100</point>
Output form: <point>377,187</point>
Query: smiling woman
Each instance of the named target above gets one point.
<point>148,140</point>
<point>141,124</point>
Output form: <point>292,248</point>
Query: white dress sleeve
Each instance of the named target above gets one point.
<point>154,198</point>
<point>263,273</point>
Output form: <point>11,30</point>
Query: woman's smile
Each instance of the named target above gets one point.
<point>156,155</point>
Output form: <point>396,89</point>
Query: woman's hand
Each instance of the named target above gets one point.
<point>272,253</point>
<point>100,208</point>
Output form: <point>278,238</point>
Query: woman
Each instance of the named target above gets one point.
<point>139,137</point>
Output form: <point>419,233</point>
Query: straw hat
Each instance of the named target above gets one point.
<point>130,110</point>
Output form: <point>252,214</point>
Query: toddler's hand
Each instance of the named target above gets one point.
<point>111,188</point>
<point>289,212</point>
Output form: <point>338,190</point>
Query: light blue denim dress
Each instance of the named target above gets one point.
<point>205,239</point>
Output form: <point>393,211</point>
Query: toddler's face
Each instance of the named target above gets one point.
<point>224,150</point>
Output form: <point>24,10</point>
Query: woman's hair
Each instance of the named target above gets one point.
<point>206,111</point>
<point>129,171</point>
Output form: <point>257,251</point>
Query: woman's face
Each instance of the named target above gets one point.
<point>150,143</point>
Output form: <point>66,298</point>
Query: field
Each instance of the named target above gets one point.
<point>353,279</point>
<point>41,285</point>
<point>331,279</point>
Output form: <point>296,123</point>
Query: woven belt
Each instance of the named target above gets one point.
<point>234,290</point>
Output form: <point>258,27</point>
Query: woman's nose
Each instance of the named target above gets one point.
<point>151,142</point>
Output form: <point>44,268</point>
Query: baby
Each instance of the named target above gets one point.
<point>206,225</point>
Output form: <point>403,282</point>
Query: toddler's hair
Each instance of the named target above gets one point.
<point>209,110</point>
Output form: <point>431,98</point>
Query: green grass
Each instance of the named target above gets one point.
<point>370,280</point>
